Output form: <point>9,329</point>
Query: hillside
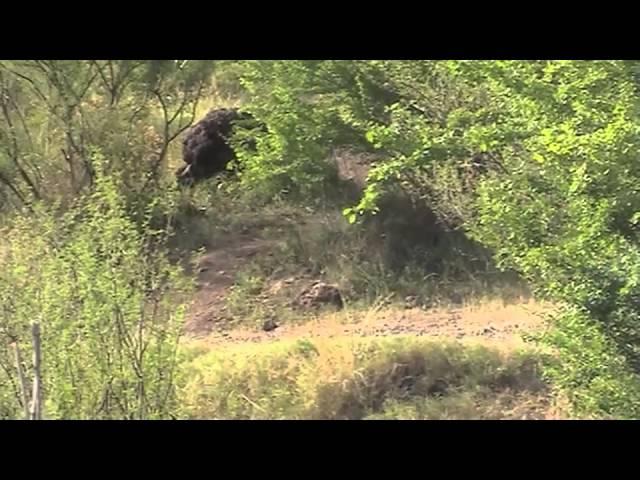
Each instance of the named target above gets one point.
<point>464,359</point>
<point>319,239</point>
<point>218,278</point>
<point>238,293</point>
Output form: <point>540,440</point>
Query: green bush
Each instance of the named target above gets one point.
<point>109,305</point>
<point>535,160</point>
<point>564,216</point>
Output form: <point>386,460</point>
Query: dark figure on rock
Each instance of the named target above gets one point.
<point>206,149</point>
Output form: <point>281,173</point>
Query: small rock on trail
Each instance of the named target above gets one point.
<point>269,325</point>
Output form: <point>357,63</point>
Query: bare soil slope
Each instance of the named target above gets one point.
<point>217,269</point>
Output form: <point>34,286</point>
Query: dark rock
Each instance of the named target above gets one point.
<point>489,331</point>
<point>320,294</point>
<point>269,325</point>
<point>411,301</point>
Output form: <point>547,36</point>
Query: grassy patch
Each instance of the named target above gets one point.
<point>478,404</point>
<point>363,260</point>
<point>401,377</point>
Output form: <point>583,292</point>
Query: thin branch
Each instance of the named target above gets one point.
<point>16,389</point>
<point>23,381</point>
<point>14,151</point>
<point>127,75</point>
<point>104,78</point>
<point>34,86</point>
<point>13,188</point>
<point>36,397</point>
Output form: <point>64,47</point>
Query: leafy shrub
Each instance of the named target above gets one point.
<point>109,305</point>
<point>535,160</point>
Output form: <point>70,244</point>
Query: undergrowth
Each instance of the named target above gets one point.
<point>403,377</point>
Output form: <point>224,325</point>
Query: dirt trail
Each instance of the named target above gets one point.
<point>217,270</point>
<point>503,324</point>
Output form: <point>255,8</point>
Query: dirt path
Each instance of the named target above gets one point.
<point>216,274</point>
<point>217,270</point>
<point>504,324</point>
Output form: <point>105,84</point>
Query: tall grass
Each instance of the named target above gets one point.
<point>357,379</point>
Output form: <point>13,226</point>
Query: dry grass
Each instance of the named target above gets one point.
<point>306,244</point>
<point>381,357</point>
<point>490,321</point>
<point>476,405</point>
<point>348,378</point>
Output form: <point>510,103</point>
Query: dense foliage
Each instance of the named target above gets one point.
<point>535,160</point>
<point>54,113</point>
<point>83,159</point>
<point>108,302</point>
